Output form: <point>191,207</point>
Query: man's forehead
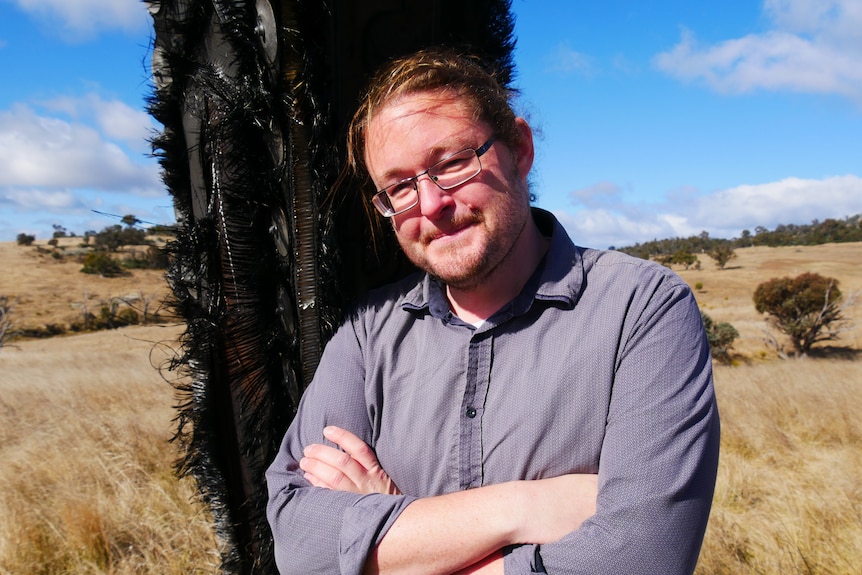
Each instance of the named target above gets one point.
<point>443,103</point>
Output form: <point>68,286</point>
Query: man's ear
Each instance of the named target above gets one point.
<point>524,151</point>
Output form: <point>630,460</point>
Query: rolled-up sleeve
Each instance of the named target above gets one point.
<point>318,530</point>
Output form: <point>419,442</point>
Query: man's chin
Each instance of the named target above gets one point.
<point>456,272</point>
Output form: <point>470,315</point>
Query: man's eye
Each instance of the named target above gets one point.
<point>400,189</point>
<point>452,165</point>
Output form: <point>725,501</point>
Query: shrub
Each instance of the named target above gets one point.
<point>47,330</point>
<point>155,258</point>
<point>25,239</point>
<point>103,264</point>
<point>806,308</point>
<point>720,336</point>
<point>127,316</point>
<point>110,316</point>
<point>113,237</point>
<point>722,254</point>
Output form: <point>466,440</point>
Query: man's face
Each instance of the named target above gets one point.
<point>464,234</point>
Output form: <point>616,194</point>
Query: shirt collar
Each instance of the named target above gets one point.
<point>559,277</point>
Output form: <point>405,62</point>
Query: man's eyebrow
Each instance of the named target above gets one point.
<point>436,153</point>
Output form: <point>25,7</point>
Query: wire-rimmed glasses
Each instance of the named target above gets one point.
<point>448,173</point>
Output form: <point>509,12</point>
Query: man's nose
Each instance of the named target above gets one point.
<point>432,199</point>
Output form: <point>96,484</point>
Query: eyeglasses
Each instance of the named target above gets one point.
<point>449,173</point>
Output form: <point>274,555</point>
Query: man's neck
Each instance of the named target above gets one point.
<point>506,281</point>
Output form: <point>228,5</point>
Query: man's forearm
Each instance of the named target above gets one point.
<point>447,533</point>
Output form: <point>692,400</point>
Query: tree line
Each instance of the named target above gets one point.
<point>101,245</point>
<point>828,231</point>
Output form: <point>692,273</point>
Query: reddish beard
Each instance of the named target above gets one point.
<point>471,218</point>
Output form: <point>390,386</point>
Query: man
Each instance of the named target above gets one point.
<point>521,406</point>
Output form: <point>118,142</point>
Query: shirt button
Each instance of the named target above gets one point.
<point>471,412</point>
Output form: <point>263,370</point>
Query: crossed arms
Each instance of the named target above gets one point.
<point>435,532</point>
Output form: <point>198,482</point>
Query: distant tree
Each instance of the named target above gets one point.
<point>25,239</point>
<point>830,230</point>
<point>130,220</point>
<point>722,254</point>
<point>53,242</point>
<point>679,257</point>
<point>807,308</point>
<point>684,258</point>
<point>114,237</point>
<point>720,336</point>
<point>59,231</point>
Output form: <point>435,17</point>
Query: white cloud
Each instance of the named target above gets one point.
<point>565,60</point>
<point>605,219</point>
<point>117,120</point>
<point>602,227</point>
<point>814,46</point>
<point>51,200</point>
<point>788,201</point>
<point>84,18</point>
<point>598,194</point>
<point>51,153</point>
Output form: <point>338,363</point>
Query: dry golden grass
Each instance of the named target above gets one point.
<point>86,484</point>
<point>789,493</point>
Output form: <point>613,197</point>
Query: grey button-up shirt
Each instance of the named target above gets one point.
<point>600,365</point>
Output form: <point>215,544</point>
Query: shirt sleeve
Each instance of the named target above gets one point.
<point>659,456</point>
<point>318,530</point>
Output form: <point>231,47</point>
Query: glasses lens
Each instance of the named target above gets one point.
<point>456,169</point>
<point>382,203</point>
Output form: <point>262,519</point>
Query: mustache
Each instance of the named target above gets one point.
<point>451,226</point>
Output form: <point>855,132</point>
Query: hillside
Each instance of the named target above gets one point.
<point>54,291</point>
<point>726,294</point>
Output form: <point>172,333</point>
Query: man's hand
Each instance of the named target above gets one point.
<point>354,469</point>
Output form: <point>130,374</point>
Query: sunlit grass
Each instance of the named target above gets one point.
<point>789,493</point>
<point>87,484</point>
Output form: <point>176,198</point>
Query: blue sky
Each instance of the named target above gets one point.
<point>654,119</point>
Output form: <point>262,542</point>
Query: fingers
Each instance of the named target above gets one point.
<point>330,468</point>
<point>352,445</point>
<point>354,469</point>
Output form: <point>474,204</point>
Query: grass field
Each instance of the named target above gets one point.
<point>87,486</point>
